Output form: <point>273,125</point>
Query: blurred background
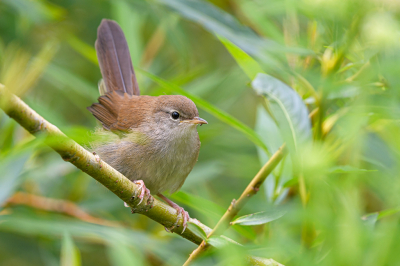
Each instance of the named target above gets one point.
<point>339,190</point>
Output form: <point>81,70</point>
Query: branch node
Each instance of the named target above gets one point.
<point>38,127</point>
<point>233,203</point>
<point>69,157</point>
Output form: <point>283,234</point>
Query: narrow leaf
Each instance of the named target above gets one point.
<point>120,254</point>
<point>11,169</point>
<point>217,241</point>
<point>260,217</point>
<point>70,255</point>
<point>388,212</point>
<point>264,261</point>
<point>83,48</point>
<point>341,169</point>
<point>370,220</point>
<point>288,108</point>
<point>216,20</point>
<point>246,63</point>
<point>197,230</point>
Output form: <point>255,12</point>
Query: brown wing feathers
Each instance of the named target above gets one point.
<point>108,109</point>
<point>117,71</point>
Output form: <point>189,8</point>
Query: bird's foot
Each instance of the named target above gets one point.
<point>185,216</point>
<point>143,191</point>
<point>179,210</point>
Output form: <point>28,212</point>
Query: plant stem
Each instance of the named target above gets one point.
<point>91,164</point>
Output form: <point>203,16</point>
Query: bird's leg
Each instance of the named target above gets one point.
<point>179,210</point>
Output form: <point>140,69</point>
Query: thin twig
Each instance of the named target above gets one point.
<point>56,205</point>
<point>237,205</point>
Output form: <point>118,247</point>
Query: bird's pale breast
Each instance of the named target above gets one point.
<point>162,162</point>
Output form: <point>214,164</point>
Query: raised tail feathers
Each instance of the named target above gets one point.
<point>114,59</point>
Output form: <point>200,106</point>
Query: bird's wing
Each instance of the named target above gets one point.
<point>119,111</point>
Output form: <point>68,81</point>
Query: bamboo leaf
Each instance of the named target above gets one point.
<point>370,220</point>
<point>266,262</point>
<point>288,109</point>
<point>83,48</point>
<point>217,241</point>
<point>70,255</point>
<point>246,63</point>
<point>342,169</point>
<point>197,230</point>
<point>120,254</point>
<point>216,20</point>
<point>11,169</point>
<point>260,217</point>
<point>24,70</point>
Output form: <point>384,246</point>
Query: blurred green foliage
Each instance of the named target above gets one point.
<point>339,189</point>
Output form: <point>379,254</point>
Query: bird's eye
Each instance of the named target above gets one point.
<point>175,115</point>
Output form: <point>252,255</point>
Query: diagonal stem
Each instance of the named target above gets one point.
<point>237,205</point>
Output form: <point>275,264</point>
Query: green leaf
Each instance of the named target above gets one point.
<point>341,169</point>
<point>197,230</point>
<point>260,217</point>
<point>370,220</point>
<point>291,183</point>
<point>83,48</point>
<point>61,76</point>
<point>70,255</point>
<point>218,241</point>
<point>120,254</point>
<point>264,261</point>
<point>269,133</point>
<point>388,212</point>
<point>215,20</point>
<point>246,63</point>
<point>211,109</point>
<point>288,109</point>
<point>10,174</point>
<point>36,225</point>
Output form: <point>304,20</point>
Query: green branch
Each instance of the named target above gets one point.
<point>91,164</point>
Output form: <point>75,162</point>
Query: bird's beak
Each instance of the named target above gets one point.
<point>196,120</point>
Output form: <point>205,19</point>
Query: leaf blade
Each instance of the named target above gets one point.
<point>343,169</point>
<point>294,113</point>
<point>259,217</point>
<point>245,61</point>
<point>70,255</point>
<point>11,169</point>
<point>197,230</point>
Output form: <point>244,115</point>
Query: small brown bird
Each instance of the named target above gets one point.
<point>153,141</point>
